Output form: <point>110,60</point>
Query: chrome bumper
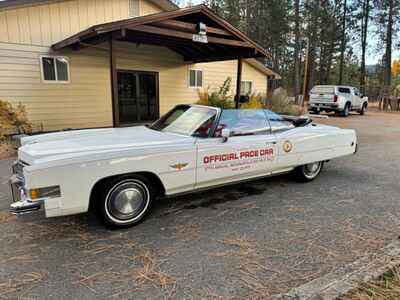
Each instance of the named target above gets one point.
<point>21,203</point>
<point>323,105</point>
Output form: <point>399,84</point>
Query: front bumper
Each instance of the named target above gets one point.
<point>21,202</point>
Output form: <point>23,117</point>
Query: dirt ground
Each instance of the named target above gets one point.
<point>250,240</point>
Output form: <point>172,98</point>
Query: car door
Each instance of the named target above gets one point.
<point>356,98</point>
<point>249,152</point>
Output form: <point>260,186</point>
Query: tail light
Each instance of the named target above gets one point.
<point>335,98</point>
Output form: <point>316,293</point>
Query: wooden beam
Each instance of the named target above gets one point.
<point>212,58</point>
<point>238,81</point>
<point>114,84</point>
<point>187,36</point>
<point>190,27</point>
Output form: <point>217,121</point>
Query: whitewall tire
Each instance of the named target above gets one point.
<point>308,172</point>
<point>126,201</point>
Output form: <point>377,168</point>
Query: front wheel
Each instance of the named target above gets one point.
<point>363,109</point>
<point>126,201</point>
<point>308,172</point>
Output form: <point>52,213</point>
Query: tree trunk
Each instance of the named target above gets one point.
<point>296,48</point>
<point>364,33</point>
<point>343,45</point>
<point>388,54</point>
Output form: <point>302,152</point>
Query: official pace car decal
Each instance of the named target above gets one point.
<point>237,161</point>
<point>287,146</point>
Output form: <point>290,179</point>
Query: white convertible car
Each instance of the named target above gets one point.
<point>120,171</point>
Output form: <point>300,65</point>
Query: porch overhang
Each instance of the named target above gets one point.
<point>196,33</point>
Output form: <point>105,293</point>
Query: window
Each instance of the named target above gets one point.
<point>195,78</point>
<point>243,122</point>
<point>344,90</point>
<point>134,8</point>
<point>55,69</point>
<point>187,120</point>
<point>245,88</point>
<point>322,89</point>
<point>277,122</point>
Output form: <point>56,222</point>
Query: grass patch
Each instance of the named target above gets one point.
<point>387,287</point>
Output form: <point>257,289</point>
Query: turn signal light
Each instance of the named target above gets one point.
<point>45,192</point>
<point>34,194</point>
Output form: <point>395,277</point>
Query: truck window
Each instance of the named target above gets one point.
<point>343,90</point>
<point>322,90</point>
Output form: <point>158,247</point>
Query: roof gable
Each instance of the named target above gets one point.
<point>177,30</point>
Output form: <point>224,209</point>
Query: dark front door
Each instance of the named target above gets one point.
<point>137,97</point>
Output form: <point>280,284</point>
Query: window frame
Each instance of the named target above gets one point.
<point>195,78</point>
<point>251,87</point>
<point>56,81</point>
<point>131,8</point>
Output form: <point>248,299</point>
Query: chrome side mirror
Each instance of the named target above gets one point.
<point>225,134</point>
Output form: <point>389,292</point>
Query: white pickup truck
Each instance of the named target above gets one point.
<point>337,98</point>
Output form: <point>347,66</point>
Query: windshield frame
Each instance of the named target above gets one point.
<point>213,127</point>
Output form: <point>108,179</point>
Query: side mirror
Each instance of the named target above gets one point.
<point>225,134</point>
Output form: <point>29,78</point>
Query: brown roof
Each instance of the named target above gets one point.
<point>263,68</point>
<point>174,29</point>
<point>164,4</point>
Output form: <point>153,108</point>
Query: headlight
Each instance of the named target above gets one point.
<point>45,192</point>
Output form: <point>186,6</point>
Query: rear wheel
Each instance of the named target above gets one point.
<point>315,111</point>
<point>346,110</point>
<point>126,201</point>
<point>308,172</point>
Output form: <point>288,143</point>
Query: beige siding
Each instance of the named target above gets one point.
<point>173,73</point>
<point>148,8</point>
<point>217,72</point>
<point>46,24</point>
<point>84,102</point>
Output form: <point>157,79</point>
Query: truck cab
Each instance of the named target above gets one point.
<point>337,98</point>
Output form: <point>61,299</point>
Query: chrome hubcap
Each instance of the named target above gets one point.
<point>311,170</point>
<point>127,200</point>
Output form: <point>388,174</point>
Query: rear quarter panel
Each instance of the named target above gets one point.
<point>315,143</point>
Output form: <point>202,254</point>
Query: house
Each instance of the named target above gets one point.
<point>100,63</point>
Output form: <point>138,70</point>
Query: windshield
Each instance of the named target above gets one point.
<point>187,120</point>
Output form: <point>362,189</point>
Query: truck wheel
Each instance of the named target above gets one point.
<point>308,172</point>
<point>315,111</point>
<point>363,109</point>
<point>346,110</point>
<point>126,201</point>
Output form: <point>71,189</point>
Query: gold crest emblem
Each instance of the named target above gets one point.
<point>287,146</point>
<point>179,166</point>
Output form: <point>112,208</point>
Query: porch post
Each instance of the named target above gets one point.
<point>114,84</point>
<point>238,82</point>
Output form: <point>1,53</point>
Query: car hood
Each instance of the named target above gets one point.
<point>78,143</point>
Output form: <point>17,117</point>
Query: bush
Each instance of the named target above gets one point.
<point>281,103</point>
<point>255,102</point>
<point>219,98</point>
<point>13,119</point>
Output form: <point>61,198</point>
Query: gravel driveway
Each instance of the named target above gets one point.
<point>249,240</point>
